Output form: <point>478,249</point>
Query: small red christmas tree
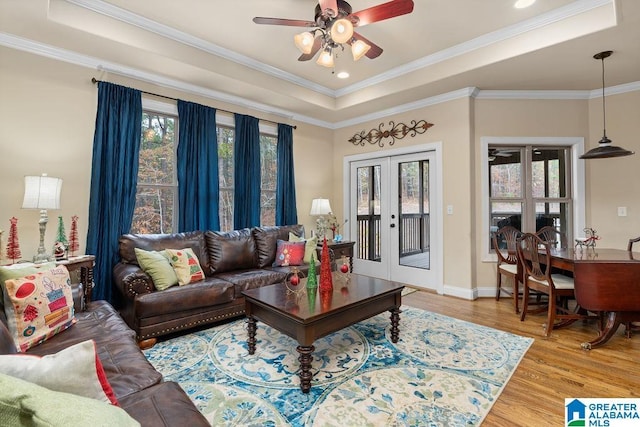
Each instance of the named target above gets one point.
<point>13,245</point>
<point>326,281</point>
<point>73,236</point>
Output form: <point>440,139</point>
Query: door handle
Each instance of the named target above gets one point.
<point>392,226</point>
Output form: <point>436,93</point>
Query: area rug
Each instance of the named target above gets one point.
<point>442,372</point>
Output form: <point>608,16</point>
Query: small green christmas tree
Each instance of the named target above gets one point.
<point>60,237</point>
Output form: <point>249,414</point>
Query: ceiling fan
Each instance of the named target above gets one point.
<point>496,152</point>
<point>334,25</point>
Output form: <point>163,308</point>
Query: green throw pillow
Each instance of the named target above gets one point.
<point>309,247</point>
<point>25,403</point>
<point>157,265</point>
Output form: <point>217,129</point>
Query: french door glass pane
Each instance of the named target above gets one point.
<point>368,208</point>
<point>413,179</point>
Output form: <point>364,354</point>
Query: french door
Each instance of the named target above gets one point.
<point>393,217</point>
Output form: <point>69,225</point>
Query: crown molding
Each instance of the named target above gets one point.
<point>535,23</point>
<point>438,99</point>
<point>130,18</point>
<point>64,55</point>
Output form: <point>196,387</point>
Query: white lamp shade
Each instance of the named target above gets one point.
<point>320,207</point>
<point>342,30</point>
<point>41,192</point>
<point>304,42</point>
<point>359,49</point>
<point>325,59</point>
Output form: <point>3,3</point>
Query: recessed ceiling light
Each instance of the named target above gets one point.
<point>521,4</point>
<point>342,75</point>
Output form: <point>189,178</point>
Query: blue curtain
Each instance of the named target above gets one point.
<point>114,175</point>
<point>246,152</point>
<point>197,164</point>
<point>286,212</point>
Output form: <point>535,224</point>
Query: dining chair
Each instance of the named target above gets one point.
<point>631,327</point>
<point>631,242</point>
<point>535,256</point>
<point>557,239</point>
<point>506,238</point>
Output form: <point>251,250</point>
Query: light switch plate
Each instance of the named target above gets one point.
<point>622,211</point>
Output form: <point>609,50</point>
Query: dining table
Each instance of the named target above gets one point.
<point>606,281</point>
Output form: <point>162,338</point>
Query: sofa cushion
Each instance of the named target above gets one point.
<point>249,279</point>
<point>25,403</point>
<point>156,264</point>
<point>15,271</point>
<point>310,247</point>
<point>164,404</point>
<point>289,253</point>
<point>158,242</point>
<point>41,306</point>
<point>127,370</point>
<point>232,250</point>
<point>266,239</point>
<point>76,370</point>
<point>206,293</point>
<point>186,265</point>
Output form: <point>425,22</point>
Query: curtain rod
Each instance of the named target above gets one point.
<point>95,81</point>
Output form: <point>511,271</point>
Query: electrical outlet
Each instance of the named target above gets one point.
<point>622,211</point>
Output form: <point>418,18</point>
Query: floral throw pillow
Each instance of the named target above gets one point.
<point>289,253</point>
<point>186,265</point>
<point>38,306</point>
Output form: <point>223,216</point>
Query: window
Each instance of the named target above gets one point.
<point>531,182</point>
<point>225,171</point>
<point>528,188</point>
<point>157,192</point>
<point>269,178</point>
<point>156,209</point>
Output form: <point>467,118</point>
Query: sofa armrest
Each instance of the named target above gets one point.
<point>79,302</point>
<point>131,280</point>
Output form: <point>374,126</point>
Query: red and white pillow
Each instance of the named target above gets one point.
<point>186,265</point>
<point>289,253</point>
<point>76,370</point>
<point>38,306</point>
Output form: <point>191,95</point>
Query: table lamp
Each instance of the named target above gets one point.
<point>42,192</point>
<point>321,208</point>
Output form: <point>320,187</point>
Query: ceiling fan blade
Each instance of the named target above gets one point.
<point>375,50</point>
<point>317,44</point>
<point>281,21</point>
<point>329,4</point>
<point>384,11</point>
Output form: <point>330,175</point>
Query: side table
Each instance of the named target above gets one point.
<point>341,249</point>
<point>84,265</point>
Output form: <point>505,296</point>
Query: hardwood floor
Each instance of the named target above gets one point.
<point>553,369</point>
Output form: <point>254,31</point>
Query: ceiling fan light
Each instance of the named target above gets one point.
<point>325,59</point>
<point>341,30</point>
<point>304,42</point>
<point>359,49</point>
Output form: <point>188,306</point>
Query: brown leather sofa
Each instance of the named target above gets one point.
<point>232,261</point>
<point>137,386</point>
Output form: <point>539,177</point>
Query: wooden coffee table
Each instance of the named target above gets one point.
<point>307,317</point>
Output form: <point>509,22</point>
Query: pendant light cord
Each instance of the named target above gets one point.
<point>604,110</point>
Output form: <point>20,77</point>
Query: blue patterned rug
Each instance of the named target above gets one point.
<point>442,372</point>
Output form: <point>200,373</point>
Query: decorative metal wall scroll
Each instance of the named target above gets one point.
<point>397,131</point>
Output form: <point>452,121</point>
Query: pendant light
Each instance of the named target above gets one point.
<point>605,149</point>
